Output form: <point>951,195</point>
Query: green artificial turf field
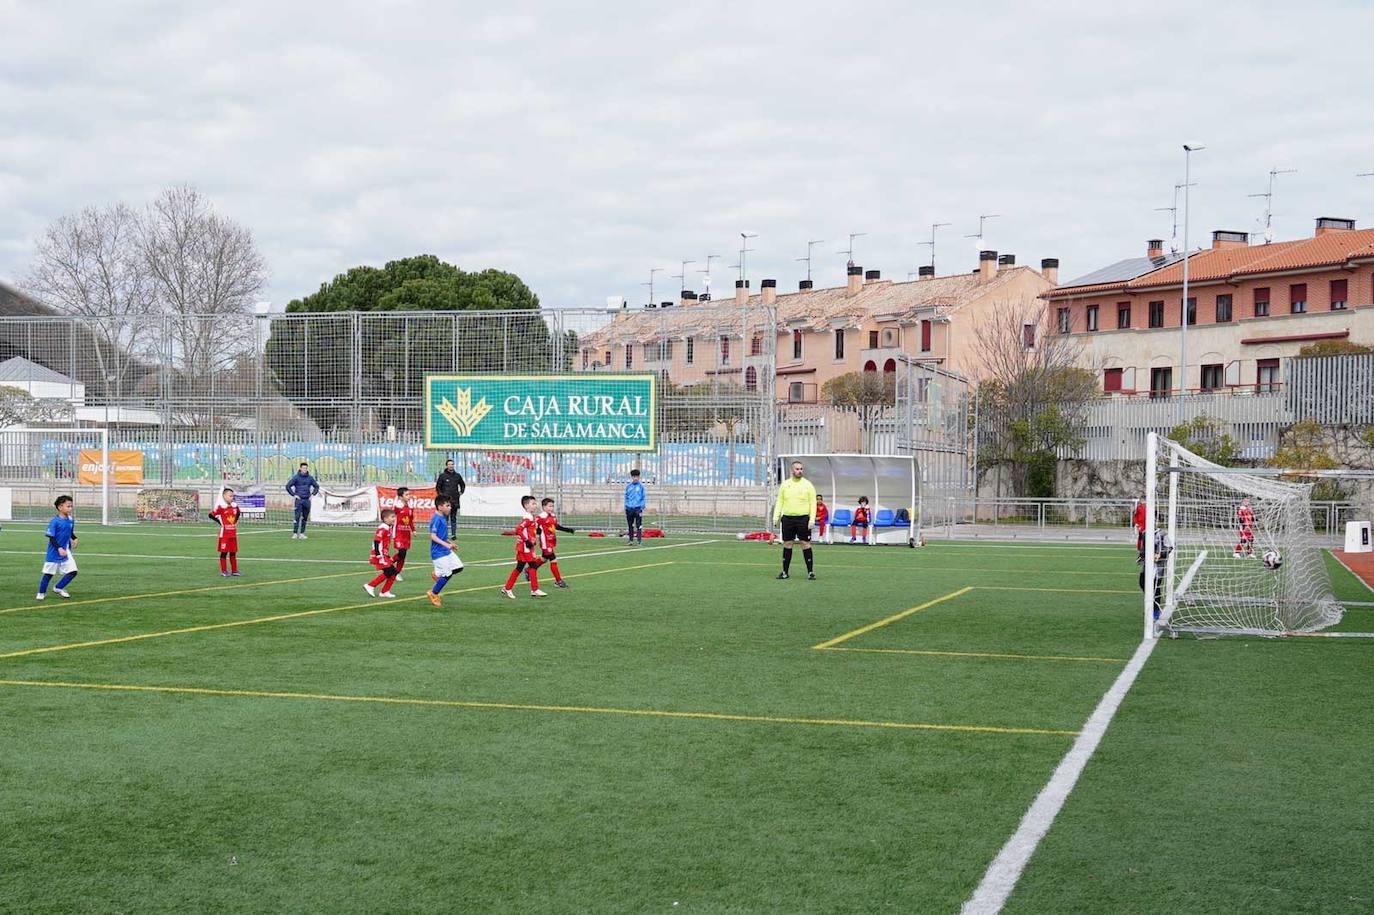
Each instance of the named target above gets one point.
<point>677,731</point>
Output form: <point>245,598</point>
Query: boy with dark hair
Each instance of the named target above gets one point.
<point>61,535</point>
<point>446,561</point>
<point>404,528</point>
<point>301,487</point>
<point>380,556</point>
<point>227,514</point>
<point>860,519</point>
<point>526,539</point>
<point>548,538</point>
<point>635,501</point>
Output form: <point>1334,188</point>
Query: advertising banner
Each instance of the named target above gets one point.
<point>167,505</point>
<point>344,506</point>
<point>421,501</point>
<point>493,502</point>
<point>587,412</point>
<point>127,467</point>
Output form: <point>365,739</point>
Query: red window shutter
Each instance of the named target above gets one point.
<point>1111,380</point>
<point>925,336</point>
<point>1297,292</point>
<point>1338,290</point>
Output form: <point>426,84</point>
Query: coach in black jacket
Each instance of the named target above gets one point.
<point>450,483</point>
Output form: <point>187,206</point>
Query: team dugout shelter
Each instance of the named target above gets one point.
<point>888,480</point>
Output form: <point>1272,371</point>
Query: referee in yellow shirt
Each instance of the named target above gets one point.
<point>796,509</point>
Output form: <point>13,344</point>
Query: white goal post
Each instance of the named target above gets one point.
<point>37,464</point>
<point>1239,553</point>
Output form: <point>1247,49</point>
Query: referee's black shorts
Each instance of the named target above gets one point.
<point>796,527</point>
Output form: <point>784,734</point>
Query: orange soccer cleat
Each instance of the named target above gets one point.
<point>434,599</point>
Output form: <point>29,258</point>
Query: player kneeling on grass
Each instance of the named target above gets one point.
<point>61,540</point>
<point>446,561</point>
<point>548,539</point>
<point>227,514</point>
<point>526,555</point>
<point>381,558</point>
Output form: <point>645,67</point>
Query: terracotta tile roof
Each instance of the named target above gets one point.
<point>812,309</point>
<point>1328,250</point>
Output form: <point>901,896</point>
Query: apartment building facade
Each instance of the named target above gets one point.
<point>1250,308</point>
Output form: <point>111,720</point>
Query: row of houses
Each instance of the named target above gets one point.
<point>1251,307</point>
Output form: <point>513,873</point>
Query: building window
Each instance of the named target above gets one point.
<point>756,345</point>
<point>1161,381</point>
<point>1092,317</point>
<point>691,346</point>
<point>1297,299</point>
<point>872,339</point>
<point>751,379</point>
<point>1065,320</point>
<point>724,350</point>
<point>1111,380</point>
<point>1339,291</point>
<point>1262,302</point>
<point>925,336</point>
<point>1223,309</point>
<point>1192,311</point>
<point>666,351</point>
<point>586,358</point>
<point>796,344</point>
<point>870,366</point>
<point>1123,315</point>
<point>839,343</point>
<point>1213,376</point>
<point>1156,314</point>
<point>1267,376</point>
<point>607,361</point>
<point>629,355</point>
<point>890,367</point>
<point>1028,336</point>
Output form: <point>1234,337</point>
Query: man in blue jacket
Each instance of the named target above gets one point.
<point>301,487</point>
<point>634,509</point>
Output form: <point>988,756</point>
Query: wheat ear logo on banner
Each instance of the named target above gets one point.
<point>466,415</point>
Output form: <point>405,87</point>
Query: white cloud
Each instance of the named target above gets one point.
<point>580,146</point>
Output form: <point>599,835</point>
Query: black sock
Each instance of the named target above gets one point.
<point>806,554</point>
<point>786,558</point>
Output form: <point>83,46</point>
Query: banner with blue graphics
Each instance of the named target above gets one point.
<point>587,412</point>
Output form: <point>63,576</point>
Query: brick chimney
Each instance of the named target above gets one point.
<point>741,291</point>
<point>872,276</point>
<point>1049,269</point>
<point>926,273</point>
<point>1006,262</point>
<point>804,285</point>
<point>1154,248</point>
<point>856,280</point>
<point>688,297</point>
<point>1225,238</point>
<point>769,288</point>
<point>1327,224</point>
<point>987,265</point>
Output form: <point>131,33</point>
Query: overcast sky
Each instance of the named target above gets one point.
<point>579,145</point>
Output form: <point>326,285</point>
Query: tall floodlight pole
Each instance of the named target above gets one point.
<point>744,250</point>
<point>650,284</point>
<point>1269,202</point>
<point>809,245</point>
<point>1183,322</point>
<point>933,227</point>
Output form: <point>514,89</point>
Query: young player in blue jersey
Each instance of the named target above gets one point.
<point>446,561</point>
<point>59,559</point>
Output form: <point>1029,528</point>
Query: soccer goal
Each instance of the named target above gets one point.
<point>38,464</point>
<point>1239,553</point>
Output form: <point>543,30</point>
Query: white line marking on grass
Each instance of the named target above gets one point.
<point>1005,870</point>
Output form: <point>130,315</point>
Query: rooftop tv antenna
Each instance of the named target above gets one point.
<point>1269,202</point>
<point>809,246</point>
<point>1173,214</point>
<point>850,250</point>
<point>744,250</point>
<point>683,277</point>
<point>981,220</point>
<point>933,227</point>
<point>706,274</point>
<point>652,301</point>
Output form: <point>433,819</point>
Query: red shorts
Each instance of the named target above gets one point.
<point>229,543</point>
<point>401,544</point>
<point>1247,534</point>
<point>380,563</point>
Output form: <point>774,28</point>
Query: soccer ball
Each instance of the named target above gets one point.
<point>1272,560</point>
<point>740,535</point>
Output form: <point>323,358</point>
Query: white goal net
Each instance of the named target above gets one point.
<point>1240,552</point>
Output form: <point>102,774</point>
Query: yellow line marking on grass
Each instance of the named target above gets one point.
<point>883,622</point>
<point>288,616</point>
<point>532,707</point>
<point>982,654</point>
<point>47,605</point>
